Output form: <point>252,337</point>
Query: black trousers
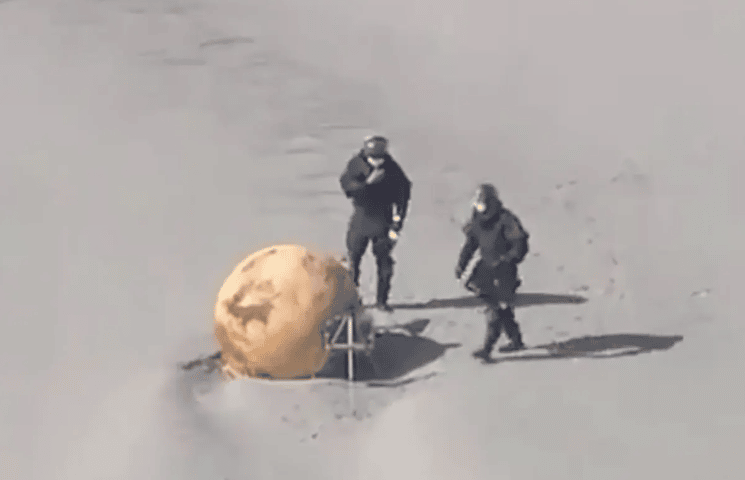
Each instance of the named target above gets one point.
<point>500,318</point>
<point>498,288</point>
<point>358,240</point>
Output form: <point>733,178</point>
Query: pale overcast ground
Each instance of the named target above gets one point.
<point>138,168</point>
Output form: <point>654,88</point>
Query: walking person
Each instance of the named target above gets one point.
<point>503,244</point>
<point>380,193</point>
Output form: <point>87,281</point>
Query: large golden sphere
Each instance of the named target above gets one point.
<point>270,312</point>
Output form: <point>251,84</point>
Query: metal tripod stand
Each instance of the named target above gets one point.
<point>365,340</point>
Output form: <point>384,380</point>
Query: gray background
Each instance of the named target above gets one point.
<point>142,159</point>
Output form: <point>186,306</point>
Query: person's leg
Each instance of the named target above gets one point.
<point>507,286</point>
<point>382,248</point>
<point>493,331</point>
<point>356,246</point>
<point>512,329</point>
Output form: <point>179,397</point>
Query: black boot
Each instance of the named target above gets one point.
<point>384,287</point>
<point>493,330</point>
<point>512,329</point>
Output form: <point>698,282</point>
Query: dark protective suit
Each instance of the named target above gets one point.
<point>503,244</point>
<point>373,215</point>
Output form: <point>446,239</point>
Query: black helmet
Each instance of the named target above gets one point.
<point>375,146</point>
<point>487,203</point>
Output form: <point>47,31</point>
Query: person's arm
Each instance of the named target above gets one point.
<point>467,250</point>
<point>516,235</point>
<point>353,180</point>
<point>402,197</point>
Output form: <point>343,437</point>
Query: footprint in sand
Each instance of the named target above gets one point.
<point>227,41</point>
<point>185,62</point>
<point>304,145</point>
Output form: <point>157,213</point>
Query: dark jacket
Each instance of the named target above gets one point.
<point>501,239</point>
<point>376,201</point>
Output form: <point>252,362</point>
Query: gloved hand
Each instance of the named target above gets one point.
<point>376,175</point>
<point>398,224</point>
<point>459,272</point>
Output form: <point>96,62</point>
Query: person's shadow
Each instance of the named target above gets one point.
<point>398,351</point>
<point>472,301</point>
<point>602,346</point>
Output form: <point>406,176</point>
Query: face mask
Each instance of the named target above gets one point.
<point>486,207</point>
<point>479,202</point>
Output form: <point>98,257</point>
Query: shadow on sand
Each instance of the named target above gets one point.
<point>398,351</point>
<point>470,301</point>
<point>603,346</point>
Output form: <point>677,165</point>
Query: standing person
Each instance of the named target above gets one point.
<point>503,244</point>
<point>376,184</point>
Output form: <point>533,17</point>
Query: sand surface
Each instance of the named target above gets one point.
<point>148,146</point>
